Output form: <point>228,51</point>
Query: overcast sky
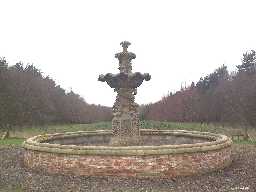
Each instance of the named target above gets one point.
<point>175,41</point>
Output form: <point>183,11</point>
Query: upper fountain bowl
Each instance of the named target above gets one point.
<point>124,80</point>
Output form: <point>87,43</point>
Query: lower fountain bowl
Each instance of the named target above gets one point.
<point>163,153</point>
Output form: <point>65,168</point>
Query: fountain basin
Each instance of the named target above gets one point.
<point>163,153</point>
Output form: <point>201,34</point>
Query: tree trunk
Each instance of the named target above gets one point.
<point>6,135</point>
<point>246,136</point>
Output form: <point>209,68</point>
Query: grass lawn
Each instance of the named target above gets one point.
<point>32,131</point>
<point>11,142</point>
<point>11,189</point>
<point>242,142</point>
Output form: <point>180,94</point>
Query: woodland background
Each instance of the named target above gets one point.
<point>28,98</point>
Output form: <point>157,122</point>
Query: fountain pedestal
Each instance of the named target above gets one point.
<point>125,124</point>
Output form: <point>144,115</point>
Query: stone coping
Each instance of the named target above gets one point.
<point>216,142</point>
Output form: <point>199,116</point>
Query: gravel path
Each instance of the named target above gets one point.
<point>240,176</point>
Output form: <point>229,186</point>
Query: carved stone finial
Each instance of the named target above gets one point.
<point>125,45</point>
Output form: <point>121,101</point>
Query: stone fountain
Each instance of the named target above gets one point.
<point>125,124</point>
<point>126,150</point>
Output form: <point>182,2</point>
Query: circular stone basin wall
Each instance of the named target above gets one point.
<point>162,154</point>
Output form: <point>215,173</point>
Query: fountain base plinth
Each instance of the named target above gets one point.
<point>125,129</point>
